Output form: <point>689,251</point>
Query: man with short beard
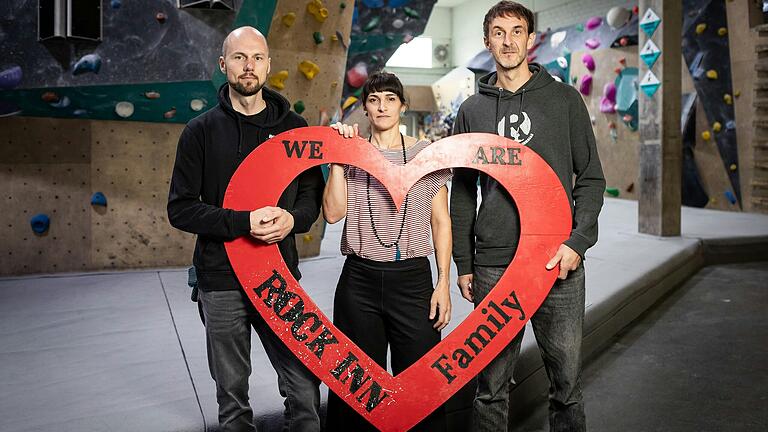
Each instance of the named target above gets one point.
<point>523,102</point>
<point>210,149</point>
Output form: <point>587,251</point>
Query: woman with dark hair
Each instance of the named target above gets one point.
<point>385,297</point>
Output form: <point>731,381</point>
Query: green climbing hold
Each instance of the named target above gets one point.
<point>318,37</point>
<point>412,13</point>
<point>580,27</point>
<point>372,24</point>
<point>614,192</point>
<point>299,107</point>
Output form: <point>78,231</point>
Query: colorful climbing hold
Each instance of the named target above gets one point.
<point>733,167</point>
<point>307,238</point>
<point>608,100</point>
<point>411,13</point>
<point>152,95</point>
<point>357,75</point>
<point>309,69</point>
<point>627,118</point>
<point>124,109</point>
<point>730,197</point>
<point>623,61</point>
<point>79,112</point>
<point>161,17</point>
<point>589,62</point>
<point>618,16</point>
<point>592,43</point>
<point>624,41</point>
<point>49,97</point>
<point>340,38</point>
<point>87,63</point>
<point>342,5</point>
<point>580,27</point>
<point>712,74</point>
<point>348,102</point>
<point>98,199</point>
<point>706,135</point>
<point>722,31</point>
<point>335,37</point>
<point>10,78</point>
<point>716,126</point>
<point>585,87</point>
<point>278,80</point>
<point>700,28</point>
<point>372,24</point>
<point>617,70</point>
<point>288,19</point>
<point>299,106</point>
<point>593,23</point>
<point>614,192</point>
<point>197,104</point>
<point>398,23</point>
<point>62,103</point>
<point>318,38</point>
<point>171,113</point>
<point>115,4</point>
<point>737,93</point>
<point>40,223</point>
<point>727,99</point>
<point>630,188</point>
<point>317,10</point>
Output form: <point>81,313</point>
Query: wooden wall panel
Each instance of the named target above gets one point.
<point>131,164</point>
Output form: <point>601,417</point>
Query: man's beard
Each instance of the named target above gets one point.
<point>245,91</point>
<point>514,66</point>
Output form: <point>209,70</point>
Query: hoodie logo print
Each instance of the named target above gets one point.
<point>519,128</point>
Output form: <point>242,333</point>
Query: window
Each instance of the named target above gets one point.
<point>415,54</point>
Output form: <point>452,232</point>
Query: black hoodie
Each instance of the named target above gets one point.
<point>551,119</point>
<point>210,149</point>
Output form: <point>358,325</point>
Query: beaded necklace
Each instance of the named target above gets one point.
<point>396,243</point>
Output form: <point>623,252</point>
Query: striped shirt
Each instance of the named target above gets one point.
<point>359,238</point>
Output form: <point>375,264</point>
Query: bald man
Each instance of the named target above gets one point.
<point>210,149</point>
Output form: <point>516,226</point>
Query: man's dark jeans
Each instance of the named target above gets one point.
<point>229,316</point>
<point>557,325</point>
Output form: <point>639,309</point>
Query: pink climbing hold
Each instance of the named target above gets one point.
<point>608,100</point>
<point>586,85</point>
<point>357,75</point>
<point>593,23</point>
<point>589,62</point>
<point>592,43</point>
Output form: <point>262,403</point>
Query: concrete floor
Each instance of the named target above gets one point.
<point>125,351</point>
<point>695,362</point>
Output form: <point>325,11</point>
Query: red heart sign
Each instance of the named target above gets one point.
<point>398,403</point>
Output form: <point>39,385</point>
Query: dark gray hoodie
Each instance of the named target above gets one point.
<point>550,118</point>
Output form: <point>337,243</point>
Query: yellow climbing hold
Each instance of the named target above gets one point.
<point>288,19</point>
<point>348,102</point>
<point>309,69</point>
<point>278,80</point>
<point>733,167</point>
<point>712,74</point>
<point>700,28</point>
<point>722,31</point>
<point>737,93</point>
<point>706,135</point>
<point>334,84</point>
<point>316,9</point>
<point>334,38</point>
<point>727,99</point>
<point>716,126</point>
<point>307,238</point>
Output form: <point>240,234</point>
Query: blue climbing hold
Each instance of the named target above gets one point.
<point>40,223</point>
<point>398,3</point>
<point>374,4</point>
<point>98,199</point>
<point>116,4</point>
<point>10,78</point>
<point>729,195</point>
<point>87,63</point>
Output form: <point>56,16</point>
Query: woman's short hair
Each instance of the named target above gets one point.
<point>383,82</point>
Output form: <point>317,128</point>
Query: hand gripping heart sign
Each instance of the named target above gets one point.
<point>400,402</point>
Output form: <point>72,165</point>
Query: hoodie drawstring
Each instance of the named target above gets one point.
<point>239,138</point>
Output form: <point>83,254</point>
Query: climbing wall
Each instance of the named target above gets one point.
<point>617,144</point>
<point>131,165</point>
<point>54,166</point>
<point>308,43</point>
<point>44,169</point>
